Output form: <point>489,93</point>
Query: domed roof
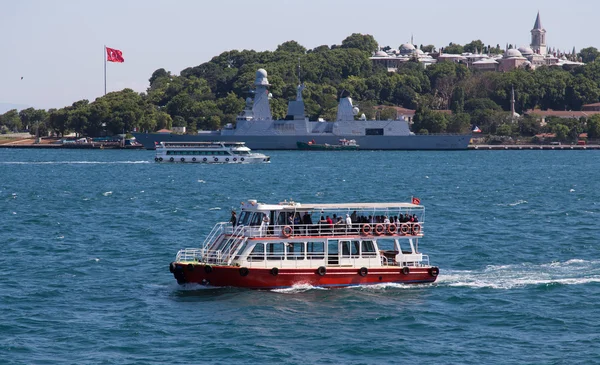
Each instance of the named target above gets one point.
<point>381,54</point>
<point>525,51</point>
<point>261,77</point>
<point>261,72</point>
<point>512,53</point>
<point>407,47</point>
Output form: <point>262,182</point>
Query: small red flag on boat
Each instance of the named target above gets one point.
<point>416,201</point>
<point>114,55</point>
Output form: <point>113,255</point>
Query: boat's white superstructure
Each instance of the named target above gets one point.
<point>207,152</point>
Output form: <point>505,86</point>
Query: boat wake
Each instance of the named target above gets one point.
<point>571,272</point>
<point>298,288</point>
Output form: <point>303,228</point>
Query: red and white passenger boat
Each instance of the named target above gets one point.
<point>322,245</point>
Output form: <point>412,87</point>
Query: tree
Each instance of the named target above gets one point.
<point>363,42</point>
<point>160,73</point>
<point>504,130</point>
<point>291,47</point>
<point>474,47</point>
<point>561,130</point>
<point>432,121</point>
<point>458,100</point>
<point>480,104</point>
<point>589,54</point>
<point>430,48</point>
<point>11,120</point>
<point>58,121</point>
<point>454,49</point>
<point>459,123</point>
<point>593,127</point>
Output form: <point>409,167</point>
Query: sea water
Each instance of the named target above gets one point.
<point>86,240</point>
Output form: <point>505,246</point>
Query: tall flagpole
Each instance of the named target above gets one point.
<point>104,56</point>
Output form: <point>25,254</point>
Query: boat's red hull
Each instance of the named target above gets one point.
<point>260,278</point>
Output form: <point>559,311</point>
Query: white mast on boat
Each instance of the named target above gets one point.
<point>261,108</point>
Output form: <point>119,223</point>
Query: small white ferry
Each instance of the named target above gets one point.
<point>323,245</point>
<point>207,152</point>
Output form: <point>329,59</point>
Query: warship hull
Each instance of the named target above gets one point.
<point>289,142</point>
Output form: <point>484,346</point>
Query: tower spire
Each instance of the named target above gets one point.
<point>512,104</point>
<point>538,22</point>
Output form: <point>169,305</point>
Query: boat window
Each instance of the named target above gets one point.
<point>355,248</point>
<point>368,249</point>
<point>345,248</point>
<point>374,131</point>
<point>315,250</point>
<point>275,251</point>
<point>241,250</point>
<point>295,251</point>
<point>281,219</point>
<point>256,219</point>
<point>244,218</point>
<point>258,253</point>
<point>386,245</point>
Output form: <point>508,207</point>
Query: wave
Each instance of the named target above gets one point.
<point>298,288</point>
<point>518,202</point>
<point>570,272</point>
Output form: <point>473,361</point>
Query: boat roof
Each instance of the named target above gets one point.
<point>254,205</point>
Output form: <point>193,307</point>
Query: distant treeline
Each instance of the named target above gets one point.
<point>210,95</point>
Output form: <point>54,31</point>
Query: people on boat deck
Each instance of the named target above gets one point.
<point>307,221</point>
<point>264,225</point>
<point>354,217</point>
<point>233,219</point>
<point>348,220</point>
<point>329,222</point>
<point>297,222</point>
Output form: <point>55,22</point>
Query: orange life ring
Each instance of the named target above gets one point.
<point>379,229</point>
<point>404,228</point>
<point>416,229</point>
<point>366,229</point>
<point>287,231</point>
<point>392,228</point>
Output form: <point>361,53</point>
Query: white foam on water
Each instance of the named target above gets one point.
<point>297,288</point>
<point>570,272</point>
<point>107,193</point>
<point>384,286</point>
<point>202,181</point>
<point>215,208</point>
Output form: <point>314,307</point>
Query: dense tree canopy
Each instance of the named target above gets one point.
<point>210,95</point>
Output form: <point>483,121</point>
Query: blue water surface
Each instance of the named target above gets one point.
<point>86,238</point>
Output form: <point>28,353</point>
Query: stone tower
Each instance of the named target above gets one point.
<point>538,37</point>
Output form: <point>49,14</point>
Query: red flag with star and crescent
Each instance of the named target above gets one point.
<point>114,55</point>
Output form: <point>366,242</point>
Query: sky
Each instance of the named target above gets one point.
<point>57,46</point>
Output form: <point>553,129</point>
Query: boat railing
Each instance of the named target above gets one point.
<point>322,229</point>
<point>190,255</point>
<point>217,230</point>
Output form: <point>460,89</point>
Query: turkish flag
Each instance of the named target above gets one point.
<point>114,55</point>
<point>416,201</point>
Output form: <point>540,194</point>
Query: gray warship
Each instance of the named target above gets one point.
<point>256,127</point>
